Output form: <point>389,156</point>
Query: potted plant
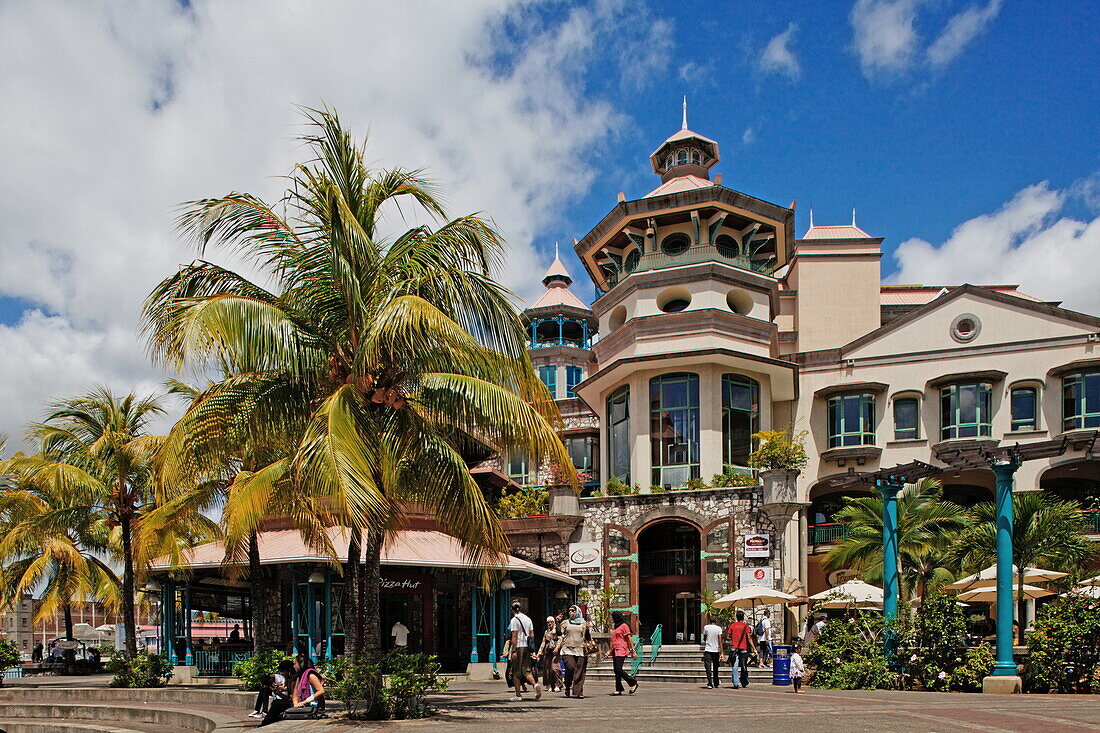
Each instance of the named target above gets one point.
<point>780,456</point>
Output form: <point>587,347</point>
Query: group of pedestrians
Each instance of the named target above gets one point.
<point>561,654</point>
<point>743,641</point>
<point>296,686</point>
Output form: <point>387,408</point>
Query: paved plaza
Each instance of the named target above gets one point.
<point>668,707</point>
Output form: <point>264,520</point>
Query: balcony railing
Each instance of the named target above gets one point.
<point>693,255</point>
<point>219,663</point>
<point>824,534</point>
<point>669,562</point>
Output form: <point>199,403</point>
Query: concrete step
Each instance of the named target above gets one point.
<point>173,719</point>
<point>74,726</point>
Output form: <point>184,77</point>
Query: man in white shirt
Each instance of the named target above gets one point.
<point>400,634</point>
<point>764,637</point>
<point>712,652</point>
<point>522,629</point>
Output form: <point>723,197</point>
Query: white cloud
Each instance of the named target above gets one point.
<point>961,29</point>
<point>1025,242</point>
<point>748,137</point>
<point>885,35</point>
<point>778,58</point>
<point>114,113</point>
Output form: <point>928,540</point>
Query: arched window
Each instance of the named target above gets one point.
<point>674,428</point>
<point>740,419</point>
<point>618,434</point>
<point>851,420</point>
<point>1025,408</point>
<point>906,418</point>
<point>670,161</point>
<point>695,157</point>
<point>682,157</point>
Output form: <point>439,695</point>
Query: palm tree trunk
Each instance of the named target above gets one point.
<point>128,624</point>
<point>371,641</point>
<point>67,615</point>
<point>351,592</point>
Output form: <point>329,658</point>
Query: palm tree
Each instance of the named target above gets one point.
<point>51,545</point>
<point>95,450</point>
<point>1046,532</point>
<point>391,353</point>
<point>927,526</point>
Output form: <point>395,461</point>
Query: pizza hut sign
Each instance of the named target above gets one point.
<point>758,545</point>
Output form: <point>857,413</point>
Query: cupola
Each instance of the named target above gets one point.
<point>685,153</point>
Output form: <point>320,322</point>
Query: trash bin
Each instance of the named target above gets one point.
<point>781,664</point>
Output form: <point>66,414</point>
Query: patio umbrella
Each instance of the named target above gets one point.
<point>853,594</point>
<point>750,596</point>
<point>989,575</point>
<point>106,629</point>
<point>988,594</point>
<point>1091,591</point>
<point>1092,581</point>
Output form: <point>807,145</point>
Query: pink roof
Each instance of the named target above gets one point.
<point>559,296</point>
<point>556,269</point>
<point>836,231</point>
<point>683,134</point>
<point>921,294</point>
<point>680,183</point>
<point>420,548</point>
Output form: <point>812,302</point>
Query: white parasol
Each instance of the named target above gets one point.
<point>853,594</point>
<point>989,575</point>
<point>750,596</point>
<point>988,594</point>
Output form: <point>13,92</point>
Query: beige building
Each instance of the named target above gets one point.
<point>713,320</point>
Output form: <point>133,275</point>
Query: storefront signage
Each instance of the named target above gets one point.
<point>585,558</point>
<point>758,545</point>
<point>756,576</point>
<point>399,584</point>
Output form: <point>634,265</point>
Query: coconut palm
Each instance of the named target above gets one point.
<point>393,354</point>
<point>1046,532</point>
<point>52,546</point>
<point>96,451</point>
<point>927,526</point>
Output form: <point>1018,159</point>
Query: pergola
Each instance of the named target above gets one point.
<point>1003,461</point>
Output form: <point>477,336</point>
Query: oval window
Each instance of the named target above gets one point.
<point>727,246</point>
<point>632,260</point>
<point>675,244</point>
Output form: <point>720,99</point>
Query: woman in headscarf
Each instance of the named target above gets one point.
<point>548,657</point>
<point>571,647</point>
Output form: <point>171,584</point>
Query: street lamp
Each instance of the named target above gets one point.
<point>316,577</point>
<point>508,584</point>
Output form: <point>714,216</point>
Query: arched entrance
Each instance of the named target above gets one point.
<point>669,580</point>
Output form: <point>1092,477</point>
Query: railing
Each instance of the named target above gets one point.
<point>219,663</point>
<point>655,644</point>
<point>13,673</point>
<point>700,253</point>
<point>669,562</point>
<point>548,341</point>
<point>1092,521</point>
<point>823,534</point>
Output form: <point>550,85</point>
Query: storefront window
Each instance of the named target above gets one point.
<point>1025,408</point>
<point>966,411</point>
<point>674,428</point>
<point>618,434</point>
<point>740,418</point>
<point>851,420</point>
<point>906,418</point>
<point>1081,401</point>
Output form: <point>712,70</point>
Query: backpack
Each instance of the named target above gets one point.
<point>759,629</point>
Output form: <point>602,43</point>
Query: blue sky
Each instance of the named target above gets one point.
<point>963,131</point>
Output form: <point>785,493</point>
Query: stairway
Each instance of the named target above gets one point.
<point>676,663</point>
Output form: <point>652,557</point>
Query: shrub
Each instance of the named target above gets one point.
<point>525,503</point>
<point>1064,646</point>
<point>598,604</point>
<point>142,670</point>
<point>722,616</point>
<point>849,656</point>
<point>779,450</point>
<point>695,484</point>
<point>9,656</point>
<point>733,478</point>
<point>931,645</point>
<point>399,695</point>
<point>615,487</point>
<point>977,665</point>
<point>251,671</point>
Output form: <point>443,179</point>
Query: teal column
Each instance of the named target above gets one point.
<point>584,331</point>
<point>1005,471</point>
<point>492,603</point>
<point>167,622</point>
<point>189,658</point>
<point>328,616</point>
<point>561,331</point>
<point>888,489</point>
<point>473,624</point>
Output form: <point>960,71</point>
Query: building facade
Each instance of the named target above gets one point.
<point>713,321</point>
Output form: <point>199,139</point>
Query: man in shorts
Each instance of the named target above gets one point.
<point>522,629</point>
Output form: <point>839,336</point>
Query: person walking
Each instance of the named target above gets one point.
<point>712,652</point>
<point>571,646</point>
<point>523,631</point>
<point>547,656</point>
<point>763,633</point>
<point>622,646</point>
<point>36,652</point>
<point>741,643</point>
<point>798,667</point>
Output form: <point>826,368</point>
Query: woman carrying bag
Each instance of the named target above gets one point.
<point>574,646</point>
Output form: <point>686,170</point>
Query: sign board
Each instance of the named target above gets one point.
<point>585,558</point>
<point>758,545</point>
<point>67,644</point>
<point>756,576</point>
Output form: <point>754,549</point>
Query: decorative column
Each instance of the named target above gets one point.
<point>474,592</point>
<point>888,489</point>
<point>1004,679</point>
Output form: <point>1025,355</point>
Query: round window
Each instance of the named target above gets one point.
<point>674,300</point>
<point>675,244</point>
<point>966,327</point>
<point>727,246</point>
<point>632,260</point>
<point>675,306</point>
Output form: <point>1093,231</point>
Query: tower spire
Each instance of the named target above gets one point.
<point>685,124</point>
<point>811,218</point>
<point>556,245</point>
<point>853,216</point>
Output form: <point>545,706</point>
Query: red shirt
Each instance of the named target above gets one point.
<point>738,634</point>
<point>619,647</point>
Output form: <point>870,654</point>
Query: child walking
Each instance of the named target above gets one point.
<point>798,668</point>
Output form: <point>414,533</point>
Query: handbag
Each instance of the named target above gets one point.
<point>590,647</point>
<point>306,712</point>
